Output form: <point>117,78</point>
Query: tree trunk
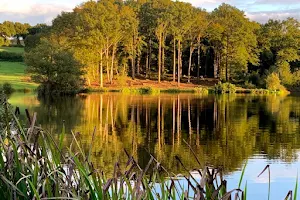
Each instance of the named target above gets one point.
<point>112,64</point>
<point>199,61</point>
<point>215,64</point>
<point>190,62</point>
<point>147,63</point>
<point>205,66</point>
<point>107,61</point>
<point>138,64</point>
<point>101,70</point>
<point>227,59</point>
<point>179,63</point>
<point>133,56</point>
<point>174,60</point>
<point>159,57</point>
<point>150,58</point>
<point>132,68</point>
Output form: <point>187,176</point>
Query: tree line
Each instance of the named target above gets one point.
<point>10,30</point>
<point>166,40</point>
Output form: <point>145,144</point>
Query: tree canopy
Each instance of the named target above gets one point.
<point>156,38</point>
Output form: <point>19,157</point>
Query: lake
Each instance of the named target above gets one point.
<point>224,131</point>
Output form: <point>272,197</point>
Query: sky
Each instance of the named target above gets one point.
<point>43,11</point>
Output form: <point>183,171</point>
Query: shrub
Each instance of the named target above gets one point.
<point>146,90</point>
<point>273,82</point>
<point>222,88</point>
<point>201,90</point>
<point>126,90</point>
<point>7,88</point>
<point>153,91</point>
<point>55,69</point>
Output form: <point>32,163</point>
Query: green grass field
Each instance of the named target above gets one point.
<point>19,50</point>
<point>14,73</point>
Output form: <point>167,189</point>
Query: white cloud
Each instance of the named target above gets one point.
<point>263,17</point>
<point>32,11</point>
<point>43,11</point>
<point>37,13</point>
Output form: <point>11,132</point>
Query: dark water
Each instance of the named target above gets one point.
<point>224,131</point>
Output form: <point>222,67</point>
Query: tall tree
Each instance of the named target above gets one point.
<point>181,22</point>
<point>194,35</point>
<point>236,39</point>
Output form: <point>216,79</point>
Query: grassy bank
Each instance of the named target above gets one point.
<point>14,74</point>
<point>19,50</point>
<point>153,91</point>
<point>201,90</point>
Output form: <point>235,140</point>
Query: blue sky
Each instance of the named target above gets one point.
<point>43,11</point>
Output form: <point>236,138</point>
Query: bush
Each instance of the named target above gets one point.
<point>11,57</point>
<point>222,88</point>
<point>273,82</point>
<point>152,91</point>
<point>55,69</point>
<point>7,88</point>
<point>146,90</point>
<point>201,90</point>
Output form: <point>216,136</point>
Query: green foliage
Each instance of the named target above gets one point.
<point>222,88</point>
<point>7,88</point>
<point>10,29</point>
<point>32,41</point>
<point>279,42</point>
<point>54,68</point>
<point>238,49</point>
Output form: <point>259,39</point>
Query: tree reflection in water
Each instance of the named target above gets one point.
<point>222,130</point>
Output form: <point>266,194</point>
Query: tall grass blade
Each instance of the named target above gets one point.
<point>296,188</point>
<point>242,175</point>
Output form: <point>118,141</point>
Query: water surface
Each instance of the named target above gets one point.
<point>224,131</point>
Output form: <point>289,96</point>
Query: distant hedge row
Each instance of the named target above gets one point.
<point>11,57</point>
